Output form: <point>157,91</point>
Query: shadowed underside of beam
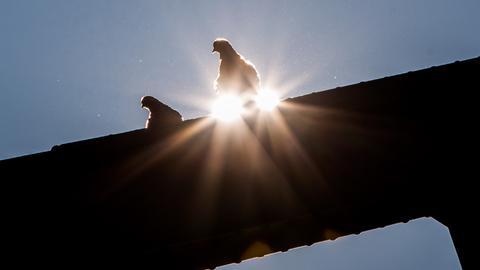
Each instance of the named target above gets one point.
<point>204,194</point>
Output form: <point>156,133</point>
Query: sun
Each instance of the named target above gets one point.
<point>227,108</point>
<point>267,100</point>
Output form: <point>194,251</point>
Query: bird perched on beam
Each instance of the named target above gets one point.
<point>161,115</point>
<point>236,75</point>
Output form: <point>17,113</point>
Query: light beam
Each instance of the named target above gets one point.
<point>227,108</point>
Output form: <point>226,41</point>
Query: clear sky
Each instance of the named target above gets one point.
<point>72,70</point>
<point>421,244</point>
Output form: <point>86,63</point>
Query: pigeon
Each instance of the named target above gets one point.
<point>236,75</point>
<point>161,115</point>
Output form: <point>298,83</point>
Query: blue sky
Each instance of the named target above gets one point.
<point>72,70</point>
<point>419,244</point>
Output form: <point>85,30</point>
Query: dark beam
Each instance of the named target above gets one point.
<point>203,194</point>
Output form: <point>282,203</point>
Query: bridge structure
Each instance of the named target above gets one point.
<point>204,193</point>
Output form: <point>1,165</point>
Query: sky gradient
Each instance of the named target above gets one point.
<point>72,70</point>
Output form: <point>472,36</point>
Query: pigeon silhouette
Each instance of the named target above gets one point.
<point>236,75</point>
<point>161,115</point>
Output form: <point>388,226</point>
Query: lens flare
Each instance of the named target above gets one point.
<point>267,100</point>
<point>227,108</point>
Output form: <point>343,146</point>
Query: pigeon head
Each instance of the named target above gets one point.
<point>222,45</point>
<point>149,102</point>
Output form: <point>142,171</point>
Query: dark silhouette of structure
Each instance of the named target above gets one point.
<point>236,75</point>
<point>326,164</point>
<point>161,115</point>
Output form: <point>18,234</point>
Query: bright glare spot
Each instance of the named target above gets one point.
<point>267,100</point>
<point>227,108</point>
